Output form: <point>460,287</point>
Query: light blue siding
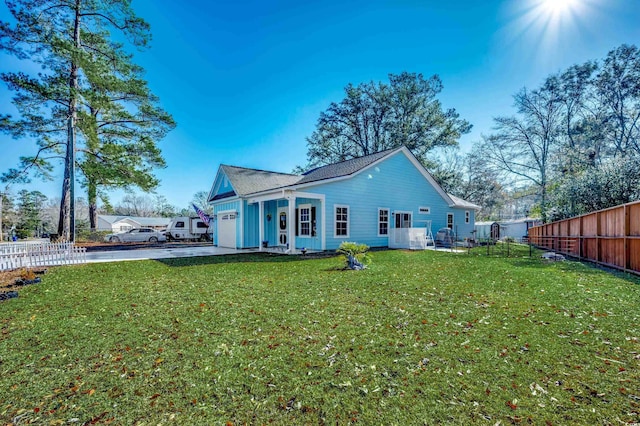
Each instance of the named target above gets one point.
<point>271,222</point>
<point>463,230</point>
<point>221,185</point>
<point>396,184</point>
<point>251,222</point>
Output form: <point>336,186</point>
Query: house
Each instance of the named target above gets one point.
<point>516,229</point>
<point>124,223</point>
<point>371,200</point>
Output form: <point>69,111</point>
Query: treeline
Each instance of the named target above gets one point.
<point>573,142</point>
<point>32,214</point>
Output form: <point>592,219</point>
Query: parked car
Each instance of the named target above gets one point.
<point>136,235</point>
<point>445,237</point>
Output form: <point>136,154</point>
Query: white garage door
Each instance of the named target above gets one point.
<point>227,230</point>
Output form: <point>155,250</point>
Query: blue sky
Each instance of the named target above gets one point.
<point>247,80</point>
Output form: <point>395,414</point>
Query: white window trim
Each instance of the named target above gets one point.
<point>467,216</point>
<point>453,218</point>
<point>300,207</point>
<point>335,222</point>
<point>388,221</point>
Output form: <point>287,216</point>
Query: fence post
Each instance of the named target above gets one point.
<point>627,232</point>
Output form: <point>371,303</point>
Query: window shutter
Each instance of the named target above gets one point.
<point>313,221</point>
<point>297,219</point>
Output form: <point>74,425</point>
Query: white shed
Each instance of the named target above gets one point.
<point>516,229</point>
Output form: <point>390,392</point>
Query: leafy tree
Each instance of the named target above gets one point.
<point>615,182</point>
<point>522,146</point>
<point>163,208</point>
<point>445,165</point>
<point>581,131</point>
<point>121,123</point>
<point>7,213</point>
<point>132,204</point>
<point>201,199</point>
<point>481,185</point>
<point>58,35</point>
<point>575,139</point>
<point>618,84</point>
<point>30,207</point>
<point>374,117</point>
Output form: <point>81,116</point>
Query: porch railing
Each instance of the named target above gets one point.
<point>409,238</point>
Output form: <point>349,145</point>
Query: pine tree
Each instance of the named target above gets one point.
<point>70,40</point>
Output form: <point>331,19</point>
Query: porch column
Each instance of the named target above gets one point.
<point>291,229</point>
<point>323,224</point>
<point>260,224</point>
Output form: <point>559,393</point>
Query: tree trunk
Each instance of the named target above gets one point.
<point>92,198</point>
<point>66,224</point>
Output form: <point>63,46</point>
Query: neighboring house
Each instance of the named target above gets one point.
<point>125,223</point>
<point>364,199</point>
<point>516,229</point>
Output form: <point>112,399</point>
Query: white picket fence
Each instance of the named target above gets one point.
<point>30,255</point>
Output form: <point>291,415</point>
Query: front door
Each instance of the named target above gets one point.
<point>283,223</point>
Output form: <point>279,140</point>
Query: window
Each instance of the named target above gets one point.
<point>467,217</point>
<point>403,219</point>
<point>201,225</point>
<point>424,210</point>
<point>180,224</point>
<point>450,220</point>
<point>383,222</point>
<point>342,221</point>
<point>304,219</point>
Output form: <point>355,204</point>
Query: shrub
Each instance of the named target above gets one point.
<point>351,252</point>
<point>87,236</point>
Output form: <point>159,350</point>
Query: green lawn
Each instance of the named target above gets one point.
<point>418,338</point>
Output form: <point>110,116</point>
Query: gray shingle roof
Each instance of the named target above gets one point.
<point>143,221</point>
<point>249,181</point>
<point>344,168</point>
<point>459,202</point>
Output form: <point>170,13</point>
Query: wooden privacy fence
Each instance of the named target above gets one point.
<point>609,237</point>
<point>27,255</point>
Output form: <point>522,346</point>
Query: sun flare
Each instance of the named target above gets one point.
<point>555,7</point>
<point>545,29</point>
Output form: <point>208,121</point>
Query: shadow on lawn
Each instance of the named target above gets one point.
<point>240,258</point>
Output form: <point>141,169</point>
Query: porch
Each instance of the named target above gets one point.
<point>288,222</point>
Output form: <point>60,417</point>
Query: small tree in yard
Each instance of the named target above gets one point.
<point>355,255</point>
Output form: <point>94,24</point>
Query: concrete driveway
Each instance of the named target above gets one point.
<point>158,253</point>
